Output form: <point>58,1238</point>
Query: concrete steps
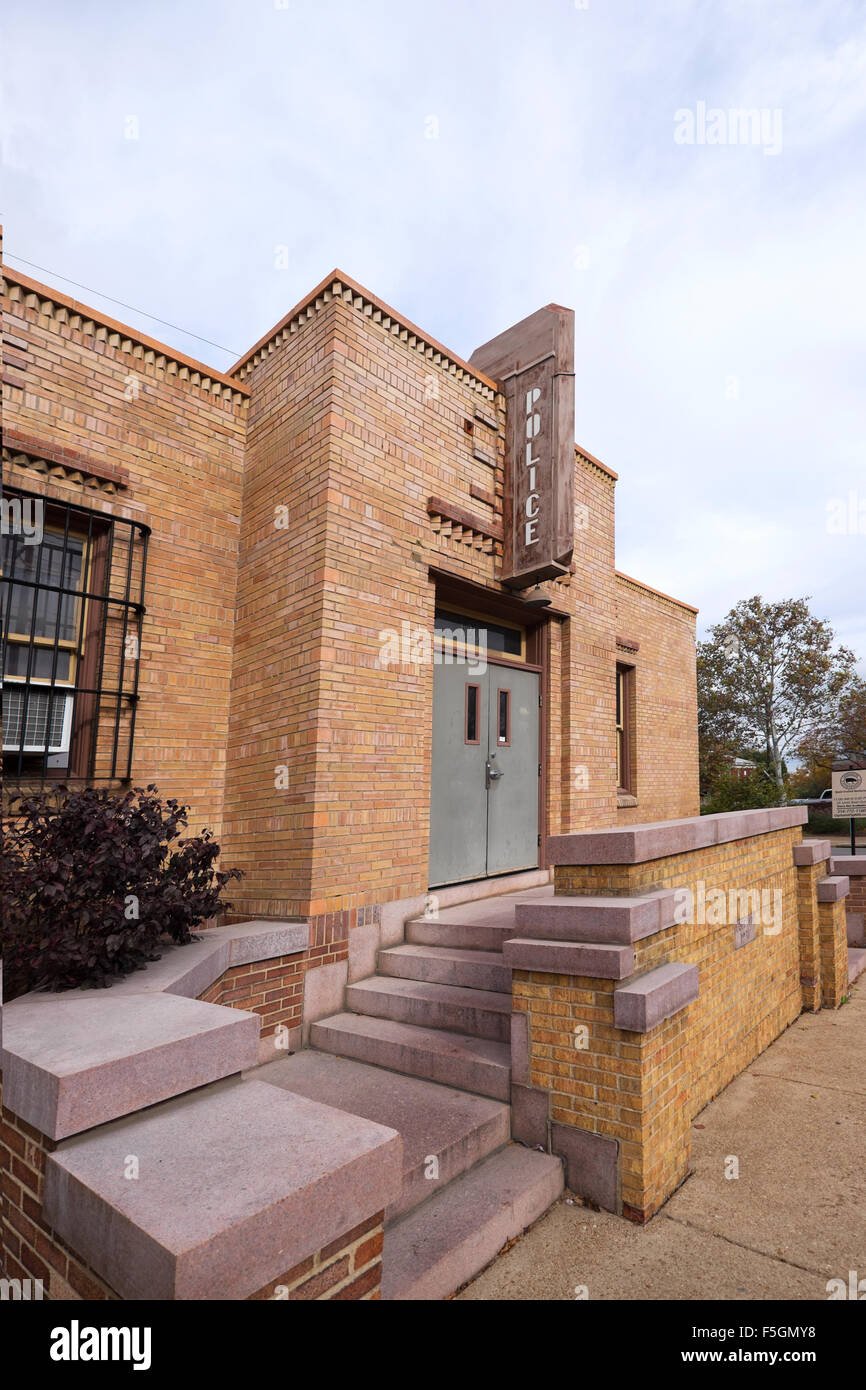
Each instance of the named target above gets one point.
<point>423,1049</point>
<point>444,1131</point>
<point>453,1059</point>
<point>434,1249</point>
<point>447,965</point>
<point>475,1012</point>
<point>468,935</point>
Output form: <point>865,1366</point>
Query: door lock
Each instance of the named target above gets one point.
<point>493,773</point>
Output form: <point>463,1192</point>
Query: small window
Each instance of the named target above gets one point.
<point>503,732</point>
<point>473,693</point>
<point>624,728</point>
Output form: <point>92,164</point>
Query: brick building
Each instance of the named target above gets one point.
<point>355,602</point>
<point>266,553</point>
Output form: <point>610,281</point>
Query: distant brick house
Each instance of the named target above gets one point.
<point>228,561</point>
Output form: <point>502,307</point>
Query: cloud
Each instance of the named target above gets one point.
<point>472,162</point>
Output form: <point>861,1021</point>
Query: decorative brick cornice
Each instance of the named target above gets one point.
<point>595,463</point>
<point>62,463</point>
<point>452,522</point>
<point>628,644</point>
<point>340,287</point>
<point>148,352</point>
<point>627,580</point>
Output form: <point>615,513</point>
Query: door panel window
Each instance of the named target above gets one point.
<point>473,693</point>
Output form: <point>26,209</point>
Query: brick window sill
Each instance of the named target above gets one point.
<point>625,800</point>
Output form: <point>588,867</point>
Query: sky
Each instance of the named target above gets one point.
<point>209,161</point>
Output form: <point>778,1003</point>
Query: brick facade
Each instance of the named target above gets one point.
<point>318,496</point>
<point>764,946</point>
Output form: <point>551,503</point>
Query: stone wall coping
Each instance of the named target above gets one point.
<point>637,844</point>
<point>606,920</point>
<point>812,852</point>
<point>833,889</point>
<point>190,970</point>
<point>77,1063</point>
<point>644,1002</point>
<point>81,1058</point>
<point>240,1182</point>
<point>854,865</point>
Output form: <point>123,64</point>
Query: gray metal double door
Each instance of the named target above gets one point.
<point>484,784</point>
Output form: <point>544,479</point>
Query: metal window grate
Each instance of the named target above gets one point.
<point>45,719</point>
<point>73,583</point>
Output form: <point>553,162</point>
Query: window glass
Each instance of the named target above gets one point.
<point>472,713</point>
<point>504,734</point>
<point>477,632</point>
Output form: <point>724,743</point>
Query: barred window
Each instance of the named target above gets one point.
<point>72,611</point>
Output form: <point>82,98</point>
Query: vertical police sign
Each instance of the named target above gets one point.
<point>534,361</point>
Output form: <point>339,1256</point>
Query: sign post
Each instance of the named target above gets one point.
<point>849,793</point>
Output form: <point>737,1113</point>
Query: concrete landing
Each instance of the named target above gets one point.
<point>452,1127</point>
<point>474,926</point>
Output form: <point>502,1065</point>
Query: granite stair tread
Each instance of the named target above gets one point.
<point>434,1249</point>
<point>447,965</point>
<point>476,1012</point>
<point>455,1128</point>
<point>453,1059</point>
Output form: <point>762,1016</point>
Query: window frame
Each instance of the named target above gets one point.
<point>624,729</point>
<point>95,710</point>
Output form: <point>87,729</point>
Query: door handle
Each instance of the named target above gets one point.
<point>493,774</point>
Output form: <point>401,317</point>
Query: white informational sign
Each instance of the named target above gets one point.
<point>849,792</point>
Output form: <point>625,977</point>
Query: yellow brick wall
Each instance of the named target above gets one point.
<point>665,740</point>
<point>644,1090</point>
<point>182,446</point>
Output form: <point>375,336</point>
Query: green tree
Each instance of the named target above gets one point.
<point>843,737</point>
<point>769,674</point>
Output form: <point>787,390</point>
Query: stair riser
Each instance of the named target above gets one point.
<point>424,1013</point>
<point>470,1253</point>
<point>469,937</point>
<point>446,972</point>
<point>453,1161</point>
<point>465,1074</point>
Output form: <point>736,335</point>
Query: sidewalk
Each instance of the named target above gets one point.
<point>795,1217</point>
